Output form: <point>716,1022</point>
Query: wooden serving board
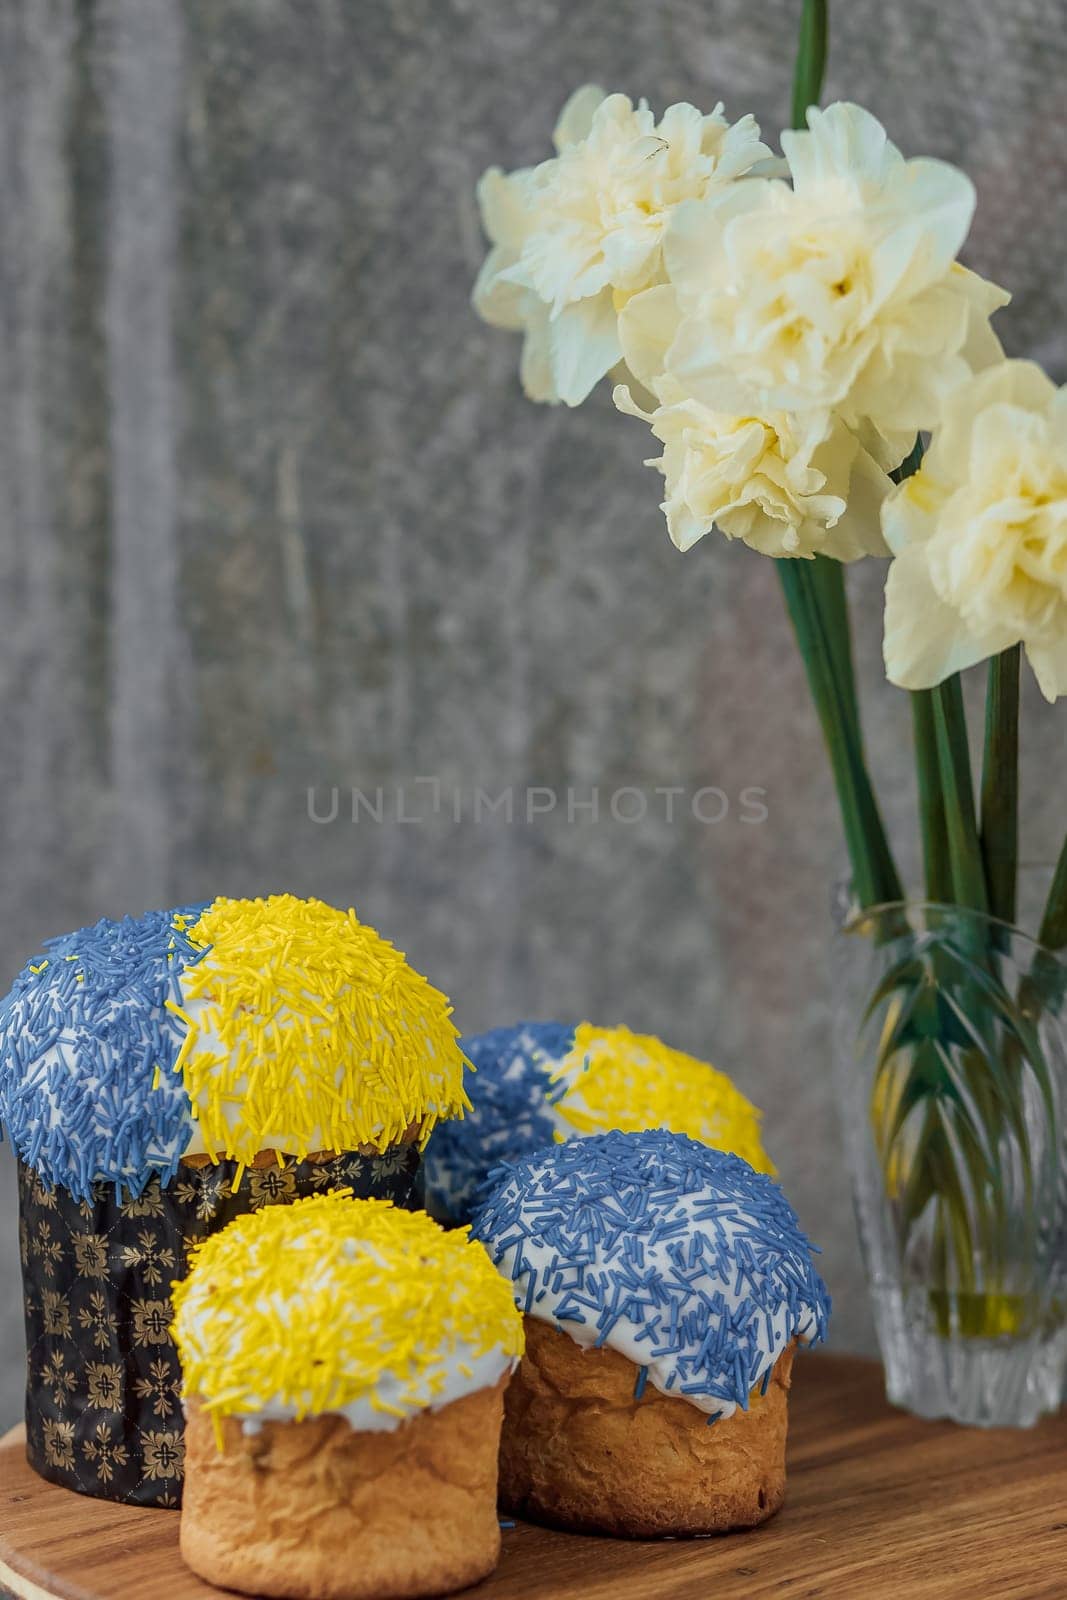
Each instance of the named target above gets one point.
<point>879,1504</point>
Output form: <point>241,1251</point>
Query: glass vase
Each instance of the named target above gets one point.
<point>951,1057</point>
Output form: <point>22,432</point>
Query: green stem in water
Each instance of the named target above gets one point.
<point>1053,933</point>
<point>964,853</point>
<point>1000,785</point>
<point>811,59</point>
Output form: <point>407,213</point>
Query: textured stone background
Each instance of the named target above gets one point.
<point>275,515</point>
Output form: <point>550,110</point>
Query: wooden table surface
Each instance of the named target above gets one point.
<point>879,1504</point>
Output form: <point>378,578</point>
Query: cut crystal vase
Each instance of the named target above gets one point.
<point>951,1056</point>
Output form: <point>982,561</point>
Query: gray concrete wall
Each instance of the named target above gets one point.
<point>275,515</point>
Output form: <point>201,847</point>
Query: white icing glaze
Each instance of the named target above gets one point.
<point>625,1334</point>
<point>465,1374</point>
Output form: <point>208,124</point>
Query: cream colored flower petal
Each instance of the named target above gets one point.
<point>620,376</point>
<point>938,202</point>
<point>623,399</point>
<point>695,236</point>
<point>1014,383</point>
<point>767,522</point>
<point>981,348</point>
<point>498,301</point>
<point>583,346</point>
<point>742,150</point>
<point>1003,436</point>
<point>631,254</point>
<point>1017,383</point>
<point>907,373</point>
<point>771,166</point>
<point>843,140</point>
<point>1049,665</point>
<point>648,323</point>
<point>698,363</point>
<point>682,124</point>
<point>561,266</point>
<point>925,641</point>
<point>934,201</point>
<point>504,203</point>
<point>576,118</point>
<point>910,511</point>
<point>685,525</point>
<point>857,533</point>
<point>886,450</point>
<point>535,370</point>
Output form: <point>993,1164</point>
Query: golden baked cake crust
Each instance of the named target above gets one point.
<point>314,1510</point>
<point>580,1451</point>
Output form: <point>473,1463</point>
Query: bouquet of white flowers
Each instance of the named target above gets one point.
<point>823,381</point>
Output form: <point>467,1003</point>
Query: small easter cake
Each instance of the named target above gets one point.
<point>540,1083</point>
<point>344,1370</point>
<point>159,1075</point>
<point>665,1286</point>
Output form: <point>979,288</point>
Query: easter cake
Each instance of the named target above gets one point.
<point>344,1368</point>
<point>664,1287</point>
<point>159,1075</point>
<point>540,1083</point>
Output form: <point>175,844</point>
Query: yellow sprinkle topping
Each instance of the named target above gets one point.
<point>631,1081</point>
<point>318,1305</point>
<point>307,1029</point>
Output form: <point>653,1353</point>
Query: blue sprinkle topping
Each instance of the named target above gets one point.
<point>731,1281</point>
<point>510,1094</point>
<point>82,1034</point>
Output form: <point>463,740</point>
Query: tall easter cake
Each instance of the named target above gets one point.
<point>160,1075</point>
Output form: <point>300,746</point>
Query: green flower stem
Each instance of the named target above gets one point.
<point>811,59</point>
<point>828,583</point>
<point>911,463</point>
<point>1000,785</point>
<point>874,875</point>
<point>964,852</point>
<point>936,865</point>
<point>937,869</point>
<point>954,769</point>
<point>815,595</point>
